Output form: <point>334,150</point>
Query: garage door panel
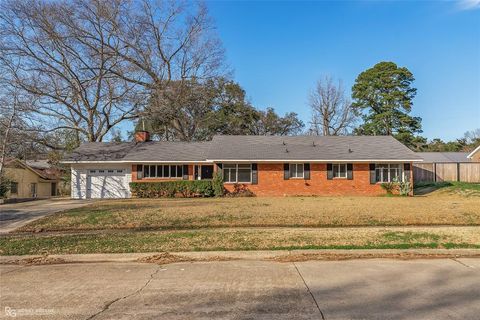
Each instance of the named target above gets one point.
<point>102,185</point>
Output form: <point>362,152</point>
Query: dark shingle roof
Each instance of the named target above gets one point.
<point>146,151</point>
<point>249,148</point>
<point>100,151</point>
<point>309,148</point>
<point>169,151</point>
<point>444,156</point>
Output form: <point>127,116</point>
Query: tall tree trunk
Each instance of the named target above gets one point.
<point>5,139</point>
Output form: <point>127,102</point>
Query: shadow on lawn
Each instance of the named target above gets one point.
<point>424,188</point>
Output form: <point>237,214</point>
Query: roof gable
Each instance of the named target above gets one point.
<point>476,150</point>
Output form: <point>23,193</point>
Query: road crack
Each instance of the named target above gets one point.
<point>309,291</point>
<point>463,264</point>
<point>109,304</point>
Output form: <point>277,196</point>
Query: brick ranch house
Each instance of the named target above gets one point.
<point>266,165</point>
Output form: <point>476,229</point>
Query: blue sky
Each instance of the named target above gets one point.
<point>279,49</point>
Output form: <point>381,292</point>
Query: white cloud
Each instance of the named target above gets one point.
<point>469,4</point>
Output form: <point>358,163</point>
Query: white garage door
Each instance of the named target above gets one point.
<point>106,183</point>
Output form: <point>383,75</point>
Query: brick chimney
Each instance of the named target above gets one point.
<point>142,136</point>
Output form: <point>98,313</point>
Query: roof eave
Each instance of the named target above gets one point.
<point>135,161</point>
<point>470,156</point>
<point>316,160</point>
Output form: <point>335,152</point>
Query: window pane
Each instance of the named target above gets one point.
<point>166,171</point>
<point>14,187</point>
<point>296,170</point>
<point>244,175</point>
<point>160,171</point>
<point>229,166</point>
<point>393,174</point>
<point>173,171</point>
<point>179,171</point>
<point>299,170</point>
<point>293,170</point>
<point>226,175</point>
<point>153,171</point>
<point>342,170</point>
<point>385,174</point>
<point>146,171</point>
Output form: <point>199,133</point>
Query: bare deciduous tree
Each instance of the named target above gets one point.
<point>332,113</point>
<point>47,48</point>
<point>91,64</point>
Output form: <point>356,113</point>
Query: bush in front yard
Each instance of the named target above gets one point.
<point>180,188</point>
<point>217,182</point>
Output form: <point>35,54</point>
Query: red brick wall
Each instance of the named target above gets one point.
<point>271,182</point>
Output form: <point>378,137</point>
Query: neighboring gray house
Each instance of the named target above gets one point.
<point>447,166</point>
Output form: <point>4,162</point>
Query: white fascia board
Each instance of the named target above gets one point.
<point>477,149</point>
<point>134,162</point>
<point>239,161</point>
<point>314,161</point>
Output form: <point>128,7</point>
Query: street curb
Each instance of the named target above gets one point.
<point>275,255</point>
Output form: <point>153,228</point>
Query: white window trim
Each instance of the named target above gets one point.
<point>389,179</point>
<point>296,167</point>
<point>339,166</point>
<point>236,172</point>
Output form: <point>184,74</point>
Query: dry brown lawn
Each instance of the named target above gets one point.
<point>243,239</point>
<point>433,209</point>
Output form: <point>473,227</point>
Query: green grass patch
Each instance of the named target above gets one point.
<point>234,239</point>
<point>410,236</point>
<point>453,187</point>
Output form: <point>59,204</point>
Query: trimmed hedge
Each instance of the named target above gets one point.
<point>177,188</point>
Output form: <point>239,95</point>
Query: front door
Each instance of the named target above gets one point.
<point>207,172</point>
<point>54,189</point>
<point>33,190</point>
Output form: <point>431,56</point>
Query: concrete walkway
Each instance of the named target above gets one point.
<point>15,215</point>
<point>245,289</point>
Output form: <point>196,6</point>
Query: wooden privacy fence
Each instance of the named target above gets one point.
<point>451,171</point>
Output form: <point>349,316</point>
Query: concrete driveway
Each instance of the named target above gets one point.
<point>356,289</point>
<point>15,215</point>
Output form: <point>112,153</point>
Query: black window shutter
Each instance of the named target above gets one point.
<point>286,171</point>
<point>254,173</point>
<point>373,176</point>
<point>306,171</point>
<point>329,171</point>
<point>406,171</point>
<point>185,172</point>
<point>139,171</point>
<point>350,171</point>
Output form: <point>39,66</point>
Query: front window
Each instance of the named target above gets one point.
<point>296,170</point>
<point>388,172</point>
<point>163,171</point>
<point>233,173</point>
<point>14,187</point>
<point>339,170</point>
